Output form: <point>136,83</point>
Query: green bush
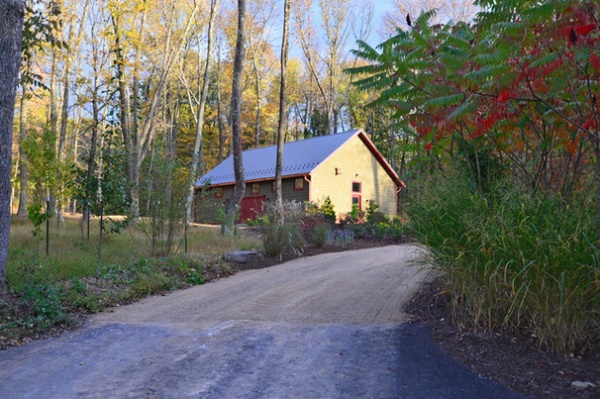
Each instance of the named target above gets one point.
<point>327,209</point>
<point>514,260</point>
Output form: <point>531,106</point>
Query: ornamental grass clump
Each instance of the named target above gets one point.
<point>515,261</point>
<point>281,229</point>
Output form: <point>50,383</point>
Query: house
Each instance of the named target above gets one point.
<point>347,167</point>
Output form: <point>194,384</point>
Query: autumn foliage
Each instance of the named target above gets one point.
<point>522,78</point>
<point>506,108</point>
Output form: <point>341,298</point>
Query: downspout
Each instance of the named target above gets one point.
<point>307,179</point>
<point>398,189</point>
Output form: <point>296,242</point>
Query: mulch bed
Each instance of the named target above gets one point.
<point>363,243</point>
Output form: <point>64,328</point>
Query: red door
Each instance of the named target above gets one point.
<point>251,207</point>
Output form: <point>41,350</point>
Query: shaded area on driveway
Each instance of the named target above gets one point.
<point>241,360</point>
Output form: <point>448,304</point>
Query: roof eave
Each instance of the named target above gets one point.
<point>382,161</point>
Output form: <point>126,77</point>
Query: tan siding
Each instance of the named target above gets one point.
<point>355,163</point>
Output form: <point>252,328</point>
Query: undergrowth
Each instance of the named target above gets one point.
<point>36,307</point>
<point>52,293</point>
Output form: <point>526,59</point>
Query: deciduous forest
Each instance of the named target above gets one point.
<point>146,87</point>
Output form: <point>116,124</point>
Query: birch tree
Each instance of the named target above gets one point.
<point>282,105</point>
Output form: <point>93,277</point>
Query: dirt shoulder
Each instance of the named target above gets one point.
<point>512,360</point>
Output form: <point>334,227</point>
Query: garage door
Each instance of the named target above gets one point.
<point>251,207</point>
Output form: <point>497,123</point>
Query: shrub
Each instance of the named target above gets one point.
<point>371,209</point>
<point>315,227</point>
<point>319,235</point>
<point>341,237</point>
<point>514,260</point>
<point>150,283</point>
<point>327,209</point>
<point>282,230</point>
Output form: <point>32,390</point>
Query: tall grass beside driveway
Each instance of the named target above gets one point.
<point>515,261</point>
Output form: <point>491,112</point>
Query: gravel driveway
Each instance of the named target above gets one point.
<point>328,326</point>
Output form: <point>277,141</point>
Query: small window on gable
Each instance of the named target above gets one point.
<point>356,187</point>
<point>219,192</point>
<point>299,183</point>
<point>255,188</point>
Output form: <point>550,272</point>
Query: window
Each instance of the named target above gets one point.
<point>357,201</point>
<point>219,192</point>
<point>255,188</point>
<point>273,186</point>
<point>299,184</point>
<point>356,195</point>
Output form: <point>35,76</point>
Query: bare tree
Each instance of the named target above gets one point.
<point>236,111</point>
<point>97,84</point>
<point>306,31</point>
<point>446,10</point>
<point>282,105</point>
<point>335,17</point>
<point>11,31</point>
<point>138,138</point>
<point>257,36</point>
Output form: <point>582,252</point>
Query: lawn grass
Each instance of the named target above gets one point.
<point>71,255</point>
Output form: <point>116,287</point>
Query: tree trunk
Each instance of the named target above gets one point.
<point>23,166</point>
<point>197,155</point>
<point>220,126</point>
<point>282,106</point>
<point>51,189</point>
<point>257,90</point>
<point>236,110</point>
<point>11,31</point>
<point>124,115</point>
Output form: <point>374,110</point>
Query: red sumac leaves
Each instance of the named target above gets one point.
<point>595,62</point>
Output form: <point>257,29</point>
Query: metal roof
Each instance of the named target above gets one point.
<point>299,157</point>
